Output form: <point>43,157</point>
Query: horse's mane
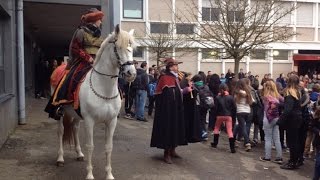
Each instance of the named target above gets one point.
<point>123,39</point>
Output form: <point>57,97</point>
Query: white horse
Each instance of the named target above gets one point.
<point>99,98</point>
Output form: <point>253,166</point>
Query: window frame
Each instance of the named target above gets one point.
<point>128,17</point>
<point>235,16</point>
<point>281,54</point>
<point>160,29</point>
<point>211,17</point>
<point>206,54</point>
<point>184,32</point>
<point>139,50</point>
<point>254,56</point>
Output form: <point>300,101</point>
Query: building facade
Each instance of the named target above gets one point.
<point>8,70</point>
<point>300,53</point>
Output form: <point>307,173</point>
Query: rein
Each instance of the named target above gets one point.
<point>108,75</point>
<point>97,94</point>
<point>112,76</point>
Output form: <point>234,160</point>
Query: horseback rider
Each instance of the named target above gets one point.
<point>84,45</point>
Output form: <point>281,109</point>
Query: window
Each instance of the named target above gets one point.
<point>185,28</point>
<point>305,14</point>
<point>235,16</point>
<point>161,28</point>
<point>258,54</point>
<point>319,16</point>
<point>2,80</point>
<point>280,54</point>
<point>210,14</point>
<point>283,8</point>
<point>133,9</point>
<point>210,53</point>
<point>138,52</point>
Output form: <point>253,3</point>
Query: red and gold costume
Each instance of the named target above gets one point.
<point>84,45</point>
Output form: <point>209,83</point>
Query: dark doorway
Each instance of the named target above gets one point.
<point>308,67</point>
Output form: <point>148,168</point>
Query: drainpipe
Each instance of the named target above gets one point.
<point>20,63</point>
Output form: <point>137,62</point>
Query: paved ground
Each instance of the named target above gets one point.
<point>31,151</point>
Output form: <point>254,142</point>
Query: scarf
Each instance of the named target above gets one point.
<point>199,83</point>
<point>94,30</point>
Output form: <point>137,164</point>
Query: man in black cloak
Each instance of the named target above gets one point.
<point>191,107</point>
<point>169,126</point>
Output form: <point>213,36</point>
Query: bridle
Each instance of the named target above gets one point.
<point>121,66</point>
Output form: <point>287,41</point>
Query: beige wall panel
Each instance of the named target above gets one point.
<point>259,68</point>
<point>189,60</point>
<point>214,67</point>
<point>281,68</point>
<point>186,10</point>
<point>318,34</point>
<point>160,10</point>
<point>305,34</point>
<point>230,65</point>
<point>207,30</point>
<point>139,28</point>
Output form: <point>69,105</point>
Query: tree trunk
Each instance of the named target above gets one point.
<point>158,59</point>
<point>236,66</point>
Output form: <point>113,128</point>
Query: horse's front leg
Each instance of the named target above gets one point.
<point>110,127</point>
<point>89,124</point>
<point>76,127</point>
<point>60,160</point>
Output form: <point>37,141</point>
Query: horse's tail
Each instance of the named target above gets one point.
<point>68,136</point>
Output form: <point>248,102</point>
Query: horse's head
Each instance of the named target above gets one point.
<point>123,52</point>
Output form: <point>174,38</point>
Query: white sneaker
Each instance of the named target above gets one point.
<point>248,147</point>
<point>128,116</point>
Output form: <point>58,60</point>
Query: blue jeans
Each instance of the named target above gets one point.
<point>141,97</point>
<point>317,167</point>
<point>272,134</point>
<point>243,120</point>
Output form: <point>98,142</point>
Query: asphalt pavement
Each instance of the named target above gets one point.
<point>30,154</point>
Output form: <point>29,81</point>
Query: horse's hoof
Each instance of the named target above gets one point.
<point>109,177</point>
<point>60,163</point>
<point>80,158</point>
<point>89,177</point>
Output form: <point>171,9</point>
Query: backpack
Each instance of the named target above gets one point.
<point>152,88</point>
<point>272,112</point>
<point>205,96</point>
<point>256,99</point>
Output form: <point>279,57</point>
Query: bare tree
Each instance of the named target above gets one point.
<point>237,26</point>
<point>162,38</point>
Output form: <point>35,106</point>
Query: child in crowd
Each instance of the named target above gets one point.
<point>226,111</point>
<point>243,98</point>
<point>271,101</point>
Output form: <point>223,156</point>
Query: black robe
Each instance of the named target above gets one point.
<point>168,126</point>
<point>192,117</point>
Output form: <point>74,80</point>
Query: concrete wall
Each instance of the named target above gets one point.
<point>139,28</point>
<point>214,67</point>
<point>8,101</point>
<point>189,60</point>
<point>160,10</point>
<point>279,68</point>
<point>186,10</point>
